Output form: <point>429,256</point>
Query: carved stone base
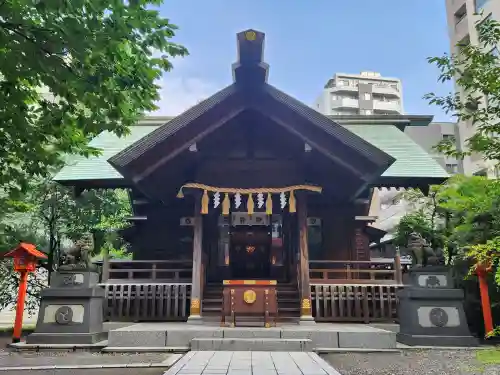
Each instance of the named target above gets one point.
<point>307,320</point>
<point>433,317</point>
<point>195,319</point>
<point>71,311</point>
<point>67,338</point>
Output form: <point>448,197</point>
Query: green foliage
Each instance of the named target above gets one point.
<point>9,284</point>
<point>51,218</point>
<point>416,221</point>
<point>487,254</point>
<point>476,69</point>
<point>70,70</point>
<point>463,217</point>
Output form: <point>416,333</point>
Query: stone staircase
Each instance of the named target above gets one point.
<point>285,337</point>
<point>288,303</point>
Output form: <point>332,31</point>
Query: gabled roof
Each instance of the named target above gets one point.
<point>143,160</point>
<point>412,161</point>
<point>97,167</point>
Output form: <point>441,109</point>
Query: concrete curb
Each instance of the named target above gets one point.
<point>400,348</point>
<point>84,367</point>
<point>404,347</point>
<point>169,362</point>
<point>20,346</point>
<point>355,350</point>
<point>145,349</point>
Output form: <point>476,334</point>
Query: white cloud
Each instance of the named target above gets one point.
<point>180,90</point>
<point>179,93</point>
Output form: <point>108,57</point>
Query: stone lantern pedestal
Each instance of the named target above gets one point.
<point>431,311</point>
<point>71,310</point>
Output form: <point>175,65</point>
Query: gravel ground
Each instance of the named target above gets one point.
<point>412,362</point>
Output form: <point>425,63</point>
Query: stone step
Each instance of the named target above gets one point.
<point>252,344</point>
<point>180,335</point>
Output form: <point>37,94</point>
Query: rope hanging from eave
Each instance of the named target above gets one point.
<point>226,203</point>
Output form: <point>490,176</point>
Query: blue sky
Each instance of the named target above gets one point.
<point>306,43</point>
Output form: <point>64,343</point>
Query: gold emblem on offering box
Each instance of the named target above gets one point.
<point>249,296</point>
<point>250,35</point>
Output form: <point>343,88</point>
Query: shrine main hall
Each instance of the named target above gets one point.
<point>251,190</point>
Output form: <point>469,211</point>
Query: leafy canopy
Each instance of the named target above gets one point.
<point>71,69</point>
<point>462,216</point>
<point>51,219</point>
<point>476,69</point>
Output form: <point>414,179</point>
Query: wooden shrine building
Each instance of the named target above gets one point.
<point>251,184</point>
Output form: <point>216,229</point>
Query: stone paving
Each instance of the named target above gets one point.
<point>251,363</point>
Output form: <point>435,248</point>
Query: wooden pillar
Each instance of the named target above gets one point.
<point>196,292</point>
<point>305,288</point>
<point>105,265</point>
<point>398,272</point>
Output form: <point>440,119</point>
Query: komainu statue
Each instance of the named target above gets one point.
<point>77,257</point>
<point>422,254</point>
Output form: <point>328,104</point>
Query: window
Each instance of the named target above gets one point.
<point>449,137</point>
<point>480,5</point>
<point>452,168</point>
<point>367,96</point>
<point>366,112</point>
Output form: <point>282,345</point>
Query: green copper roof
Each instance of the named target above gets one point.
<point>97,167</point>
<point>411,159</point>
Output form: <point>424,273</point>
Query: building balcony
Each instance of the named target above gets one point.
<point>462,29</point>
<point>388,106</point>
<point>345,88</point>
<point>455,5</point>
<point>345,103</point>
<point>386,91</point>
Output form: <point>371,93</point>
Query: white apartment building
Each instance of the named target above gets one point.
<point>367,93</point>
<point>462,16</point>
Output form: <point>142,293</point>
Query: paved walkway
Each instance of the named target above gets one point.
<point>251,363</point>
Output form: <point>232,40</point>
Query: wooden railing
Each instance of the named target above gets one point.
<point>150,271</point>
<point>146,302</point>
<point>354,272</point>
<point>354,303</point>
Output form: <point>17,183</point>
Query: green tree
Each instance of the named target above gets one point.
<point>52,219</point>
<point>476,69</point>
<point>70,70</point>
<point>463,215</point>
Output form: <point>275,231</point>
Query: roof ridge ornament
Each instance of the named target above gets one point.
<point>250,68</point>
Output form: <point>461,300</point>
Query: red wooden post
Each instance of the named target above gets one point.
<point>18,324</point>
<point>25,258</point>
<point>482,272</point>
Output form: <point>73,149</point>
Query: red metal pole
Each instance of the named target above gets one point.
<point>21,296</point>
<point>485,301</point>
